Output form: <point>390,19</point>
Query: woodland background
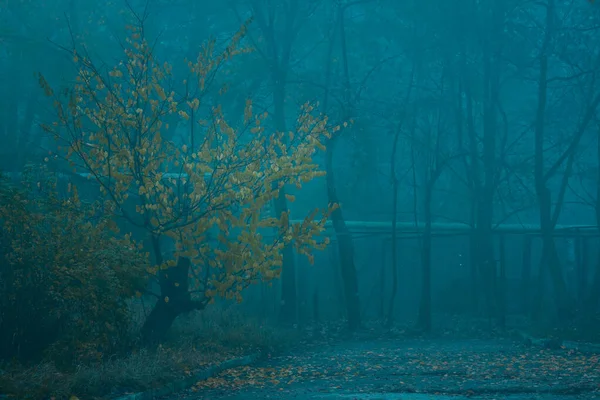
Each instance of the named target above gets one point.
<point>472,147</point>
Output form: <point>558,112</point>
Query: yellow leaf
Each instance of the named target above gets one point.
<point>166,299</point>
<point>290,198</point>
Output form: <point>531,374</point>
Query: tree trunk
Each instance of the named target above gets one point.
<point>474,267</point>
<point>593,297</point>
<point>502,285</point>
<point>485,259</point>
<point>382,281</point>
<point>345,246</point>
<point>550,260</point>
<point>526,276</point>
<point>277,56</point>
<point>485,206</point>
<point>393,245</point>
<point>175,299</point>
<point>315,305</point>
<point>395,188</point>
<point>288,310</point>
<point>157,323</point>
<point>476,250</point>
<point>550,257</point>
<point>424,321</point>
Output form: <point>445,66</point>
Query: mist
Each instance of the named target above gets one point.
<point>227,186</point>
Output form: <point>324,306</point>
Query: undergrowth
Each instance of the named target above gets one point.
<point>197,340</point>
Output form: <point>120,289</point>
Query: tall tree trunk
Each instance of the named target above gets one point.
<point>345,242</point>
<point>549,252</point>
<point>565,305</point>
<point>476,202</point>
<point>277,57</point>
<point>345,247</point>
<point>289,299</point>
<point>526,275</point>
<point>424,321</point>
<point>395,188</point>
<point>593,297</point>
<point>470,181</point>
<point>485,206</point>
<point>501,290</point>
<point>393,244</point>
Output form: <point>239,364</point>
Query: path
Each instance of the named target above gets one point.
<point>411,370</point>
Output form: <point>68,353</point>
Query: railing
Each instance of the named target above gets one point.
<point>405,229</point>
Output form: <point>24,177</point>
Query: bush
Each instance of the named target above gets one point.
<point>65,276</point>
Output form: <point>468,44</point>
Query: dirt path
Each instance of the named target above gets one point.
<point>411,370</point>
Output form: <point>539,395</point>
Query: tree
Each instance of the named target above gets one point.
<point>276,53</point>
<point>114,125</point>
<point>484,174</point>
<point>593,295</point>
<point>545,170</point>
<point>345,244</point>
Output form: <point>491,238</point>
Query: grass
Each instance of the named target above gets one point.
<point>196,341</point>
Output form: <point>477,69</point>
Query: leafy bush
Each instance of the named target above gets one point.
<point>65,275</point>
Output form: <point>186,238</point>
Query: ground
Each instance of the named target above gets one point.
<point>410,369</point>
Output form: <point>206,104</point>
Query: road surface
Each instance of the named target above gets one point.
<point>411,370</point>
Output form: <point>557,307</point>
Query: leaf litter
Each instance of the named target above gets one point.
<point>435,367</point>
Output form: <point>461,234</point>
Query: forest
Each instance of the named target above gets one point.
<point>299,199</point>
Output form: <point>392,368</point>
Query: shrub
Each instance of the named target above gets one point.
<point>65,275</point>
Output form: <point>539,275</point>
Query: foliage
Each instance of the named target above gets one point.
<point>65,273</point>
<point>115,124</point>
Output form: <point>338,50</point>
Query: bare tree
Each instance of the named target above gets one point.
<point>544,172</point>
